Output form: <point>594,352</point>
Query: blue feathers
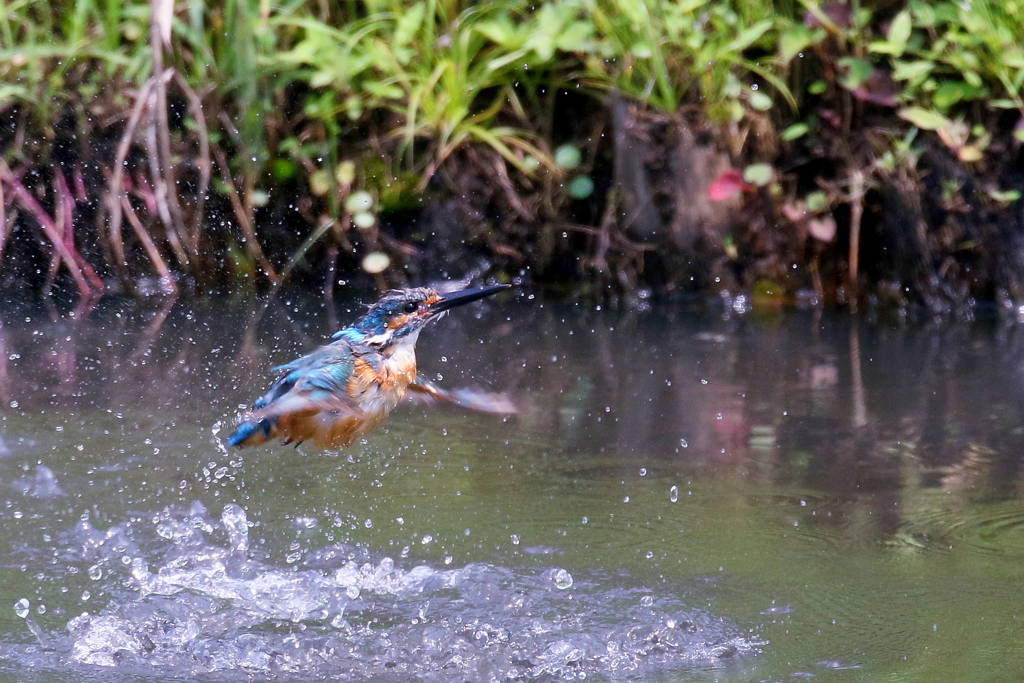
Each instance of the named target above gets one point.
<point>248,429</point>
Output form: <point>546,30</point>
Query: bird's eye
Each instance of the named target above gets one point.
<point>410,307</point>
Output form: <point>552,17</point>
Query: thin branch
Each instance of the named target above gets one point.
<point>161,192</point>
<point>115,188</point>
<point>66,204</point>
<point>251,243</point>
<point>205,164</point>
<point>166,279</point>
<point>856,198</point>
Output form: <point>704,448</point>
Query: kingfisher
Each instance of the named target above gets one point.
<point>345,389</point>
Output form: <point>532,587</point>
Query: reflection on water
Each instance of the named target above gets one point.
<point>843,498</point>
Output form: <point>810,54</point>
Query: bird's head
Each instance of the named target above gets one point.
<point>402,313</point>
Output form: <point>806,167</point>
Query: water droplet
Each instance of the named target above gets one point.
<point>95,572</point>
<point>647,601</point>
<point>21,608</point>
<point>352,592</point>
<point>562,579</point>
<point>682,443</point>
<point>426,539</point>
<point>515,539</point>
<point>673,494</point>
<point>643,471</point>
<point>86,595</point>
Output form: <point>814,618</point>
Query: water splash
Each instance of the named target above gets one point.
<point>43,485</point>
<point>191,604</point>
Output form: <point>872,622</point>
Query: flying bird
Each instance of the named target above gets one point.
<point>345,389</point>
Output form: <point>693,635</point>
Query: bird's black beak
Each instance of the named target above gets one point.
<point>465,296</point>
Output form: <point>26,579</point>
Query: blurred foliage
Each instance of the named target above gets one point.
<point>333,96</point>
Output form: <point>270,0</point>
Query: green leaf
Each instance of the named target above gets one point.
<point>409,24</point>
<point>576,37</point>
<point>970,153</point>
<point>925,119</point>
<point>568,157</point>
<point>384,91</point>
<point>951,92</point>
<point>501,32</point>
<point>817,87</point>
<point>899,33</point>
<point>581,187</point>
<point>906,71</point>
<point>758,174</point>
<point>857,71</point>
<point>797,130</point>
<point>364,220</point>
<point>641,49</point>
<point>1004,196</point>
<point>883,47</point>
<point>1013,57</point>
<point>924,13</point>
<point>817,201</point>
<point>319,183</point>
<point>358,202</point>
<point>283,170</point>
<point>760,101</point>
<point>793,41</point>
<point>749,36</point>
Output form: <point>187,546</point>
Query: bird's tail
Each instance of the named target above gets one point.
<point>252,432</point>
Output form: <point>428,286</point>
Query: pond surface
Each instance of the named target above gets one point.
<point>683,497</point>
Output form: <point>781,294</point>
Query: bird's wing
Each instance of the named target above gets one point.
<point>309,401</point>
<point>473,399</point>
<point>328,368</point>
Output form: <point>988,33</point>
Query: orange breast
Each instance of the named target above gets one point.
<point>375,389</point>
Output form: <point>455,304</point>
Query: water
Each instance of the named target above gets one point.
<point>683,497</point>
